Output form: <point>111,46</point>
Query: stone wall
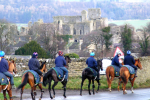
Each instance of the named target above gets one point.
<point>77,65</point>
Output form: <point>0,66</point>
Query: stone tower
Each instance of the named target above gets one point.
<point>94,13</point>
<point>84,15</point>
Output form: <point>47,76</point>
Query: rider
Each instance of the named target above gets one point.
<point>35,65</point>
<point>61,63</point>
<point>92,63</point>
<point>129,60</point>
<point>4,68</point>
<point>115,60</point>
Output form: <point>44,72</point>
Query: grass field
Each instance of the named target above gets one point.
<point>74,83</point>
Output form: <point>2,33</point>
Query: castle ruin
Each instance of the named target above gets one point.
<point>81,25</point>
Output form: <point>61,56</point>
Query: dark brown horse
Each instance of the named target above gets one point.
<point>52,75</point>
<point>87,73</point>
<point>110,72</point>
<point>29,78</point>
<point>12,68</point>
<point>125,76</point>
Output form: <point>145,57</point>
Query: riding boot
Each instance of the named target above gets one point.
<point>135,73</point>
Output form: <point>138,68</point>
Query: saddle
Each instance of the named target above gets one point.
<point>93,71</point>
<point>130,68</point>
<point>60,73</point>
<point>116,70</point>
<point>3,79</point>
<point>36,76</point>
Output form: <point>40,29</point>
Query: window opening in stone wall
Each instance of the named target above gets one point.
<point>75,40</point>
<point>80,32</point>
<point>74,32</point>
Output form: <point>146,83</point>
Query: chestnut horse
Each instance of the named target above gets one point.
<point>87,73</point>
<point>110,72</point>
<point>125,75</point>
<point>52,75</point>
<point>12,68</point>
<point>29,78</point>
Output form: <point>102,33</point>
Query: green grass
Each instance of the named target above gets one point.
<point>74,83</point>
<point>1,96</point>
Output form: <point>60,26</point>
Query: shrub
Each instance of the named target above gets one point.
<point>31,47</point>
<point>72,55</point>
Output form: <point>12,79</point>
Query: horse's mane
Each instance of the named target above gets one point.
<point>42,64</point>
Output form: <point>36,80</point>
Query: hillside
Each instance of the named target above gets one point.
<point>22,11</point>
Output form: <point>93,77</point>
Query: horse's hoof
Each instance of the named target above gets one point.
<point>96,91</point>
<point>53,96</point>
<point>132,91</point>
<point>93,93</point>
<point>125,92</point>
<point>89,93</point>
<point>40,99</point>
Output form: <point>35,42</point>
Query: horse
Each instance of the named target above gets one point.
<point>52,75</point>
<point>87,73</point>
<point>28,77</point>
<point>125,75</point>
<point>12,68</point>
<point>110,72</point>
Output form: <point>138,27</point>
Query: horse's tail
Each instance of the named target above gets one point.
<point>46,76</point>
<point>24,81</point>
<point>123,75</point>
<point>107,74</point>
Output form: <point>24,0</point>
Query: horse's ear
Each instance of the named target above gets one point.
<point>12,61</point>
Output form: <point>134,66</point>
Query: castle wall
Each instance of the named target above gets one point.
<point>67,29</point>
<point>68,19</point>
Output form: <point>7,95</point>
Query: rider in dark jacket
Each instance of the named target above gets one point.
<point>61,63</point>
<point>35,65</point>
<point>129,60</point>
<point>92,63</point>
<point>4,68</point>
<point>115,60</point>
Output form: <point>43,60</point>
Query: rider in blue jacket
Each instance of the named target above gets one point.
<point>35,65</point>
<point>61,63</point>
<point>92,63</point>
<point>115,60</point>
<point>129,60</point>
<point>4,68</point>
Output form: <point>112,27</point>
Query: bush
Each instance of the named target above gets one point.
<point>31,47</point>
<point>72,55</point>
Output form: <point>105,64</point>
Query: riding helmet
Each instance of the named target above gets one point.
<point>92,54</point>
<point>2,53</point>
<point>128,52</point>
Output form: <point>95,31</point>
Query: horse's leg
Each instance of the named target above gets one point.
<point>4,94</point>
<point>32,93</point>
<point>50,87</point>
<point>10,94</point>
<point>40,86</point>
<point>112,78</point>
<point>55,83</point>
<point>64,83</point>
<point>119,84</point>
<point>83,78</point>
<point>21,92</point>
<point>132,83</point>
<point>98,85</point>
<point>89,86</point>
<point>93,86</point>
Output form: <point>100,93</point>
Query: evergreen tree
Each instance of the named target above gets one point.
<point>31,47</point>
<point>107,37</point>
<point>126,39</point>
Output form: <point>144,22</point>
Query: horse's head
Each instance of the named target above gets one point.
<point>68,60</point>
<point>99,64</point>
<point>138,63</point>
<point>43,66</point>
<point>12,66</point>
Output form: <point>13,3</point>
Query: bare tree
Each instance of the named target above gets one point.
<point>96,38</point>
<point>5,35</point>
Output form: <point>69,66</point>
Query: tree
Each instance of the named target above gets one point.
<point>107,37</point>
<point>144,43</point>
<point>31,47</point>
<point>96,38</point>
<point>126,38</point>
<point>5,35</point>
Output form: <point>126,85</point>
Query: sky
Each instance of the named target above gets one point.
<point>103,0</point>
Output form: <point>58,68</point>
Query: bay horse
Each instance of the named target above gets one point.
<point>110,72</point>
<point>125,76</point>
<point>12,68</point>
<point>52,75</point>
<point>28,77</point>
<point>87,73</point>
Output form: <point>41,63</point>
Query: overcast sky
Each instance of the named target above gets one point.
<point>101,0</point>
